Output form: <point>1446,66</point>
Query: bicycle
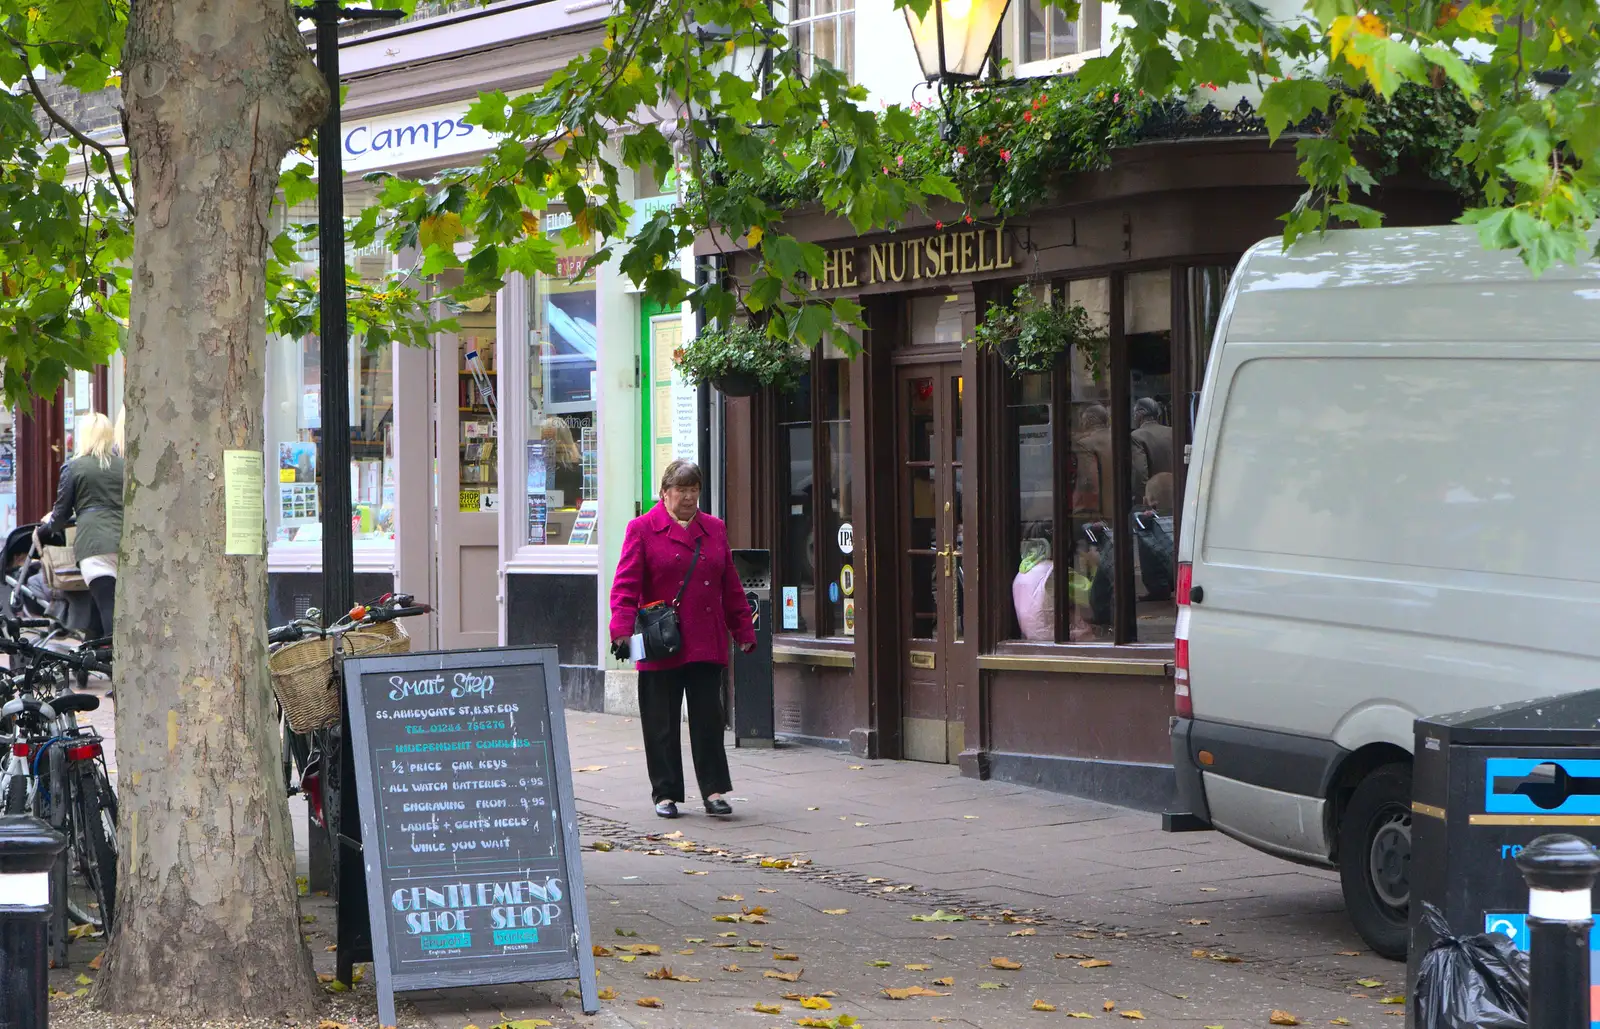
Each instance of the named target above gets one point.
<point>56,769</point>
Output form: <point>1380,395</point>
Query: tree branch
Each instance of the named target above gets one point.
<point>72,130</point>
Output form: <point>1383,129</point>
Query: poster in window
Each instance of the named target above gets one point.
<point>538,515</point>
<point>8,462</point>
<point>297,504</point>
<point>569,352</point>
<point>297,462</point>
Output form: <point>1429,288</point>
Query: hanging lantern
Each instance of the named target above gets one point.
<point>954,38</point>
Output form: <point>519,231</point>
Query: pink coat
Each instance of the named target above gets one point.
<point>656,552</point>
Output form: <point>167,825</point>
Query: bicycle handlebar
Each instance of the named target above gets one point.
<point>390,614</point>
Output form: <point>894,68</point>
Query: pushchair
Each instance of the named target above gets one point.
<point>25,592</point>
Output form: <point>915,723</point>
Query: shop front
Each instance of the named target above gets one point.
<point>975,566</point>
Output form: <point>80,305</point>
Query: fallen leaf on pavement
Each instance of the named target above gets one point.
<point>1094,963</point>
<point>1079,1014</point>
<point>732,968</point>
<point>686,951</point>
<point>1069,956</point>
<point>788,977</point>
<point>733,898</point>
<point>875,880</point>
<point>992,986</point>
<point>940,915</point>
<point>948,980</point>
<point>1197,921</point>
<point>970,817</point>
<point>655,853</point>
<point>813,809</point>
<point>328,1023</point>
<point>665,973</point>
<point>907,992</point>
<point>694,871</point>
<point>601,952</point>
<point>816,1003</point>
<point>768,1009</point>
<point>641,948</point>
<point>1228,959</point>
<point>856,768</point>
<point>944,937</point>
<point>676,834</point>
<point>526,1023</point>
<point>779,863</point>
<point>94,965</point>
<point>649,1002</point>
<point>1004,964</point>
<point>862,824</point>
<point>1371,984</point>
<point>1283,1018</point>
<point>603,846</point>
<point>1023,932</point>
<point>628,958</point>
<point>1089,934</point>
<point>1349,953</point>
<point>786,957</point>
<point>918,968</point>
<point>626,932</point>
<point>1392,1000</point>
<point>1039,1005</point>
<point>591,768</point>
<point>836,911</point>
<point>763,889</point>
<point>1109,1005</point>
<point>1136,1016</point>
<point>1208,889</point>
<point>608,994</point>
<point>880,964</point>
<point>728,936</point>
<point>694,939</point>
<point>1340,1021</point>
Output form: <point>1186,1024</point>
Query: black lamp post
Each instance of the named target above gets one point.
<point>954,40</point>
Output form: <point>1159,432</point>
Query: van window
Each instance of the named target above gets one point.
<point>1472,465</point>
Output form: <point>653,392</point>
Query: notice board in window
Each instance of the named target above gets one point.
<point>468,829</point>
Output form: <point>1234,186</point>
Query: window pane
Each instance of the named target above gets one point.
<point>822,40</point>
<point>1206,288</point>
<point>563,438</point>
<point>836,434</point>
<point>920,504</point>
<point>1063,34</point>
<point>1033,587</point>
<point>1035,38</point>
<point>847,46</point>
<point>1089,15</point>
<point>1148,320</point>
<point>1091,583</point>
<point>799,523</point>
<point>478,462</point>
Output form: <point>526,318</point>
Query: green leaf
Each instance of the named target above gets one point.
<point>936,184</point>
<point>1458,71</point>
<point>1291,101</point>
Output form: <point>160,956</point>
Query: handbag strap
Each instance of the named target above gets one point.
<point>687,575</point>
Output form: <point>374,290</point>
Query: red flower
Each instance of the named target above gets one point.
<point>962,150</point>
<point>1027,116</point>
<point>983,140</point>
<point>938,225</point>
<point>969,219</point>
<point>1005,155</point>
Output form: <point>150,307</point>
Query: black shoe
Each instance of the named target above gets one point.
<point>718,807</point>
<point>667,809</point>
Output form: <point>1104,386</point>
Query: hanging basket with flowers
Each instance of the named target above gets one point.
<point>1032,332</point>
<point>739,360</point>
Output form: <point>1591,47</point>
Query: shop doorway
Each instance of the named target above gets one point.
<point>936,643</point>
<point>468,482</point>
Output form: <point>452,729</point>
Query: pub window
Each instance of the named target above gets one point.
<point>1044,40</point>
<point>815,498</point>
<point>824,30</point>
<point>1096,446</point>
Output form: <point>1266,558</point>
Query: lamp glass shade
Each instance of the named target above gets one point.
<point>969,30</point>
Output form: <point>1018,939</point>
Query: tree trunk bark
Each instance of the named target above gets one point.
<point>207,918</point>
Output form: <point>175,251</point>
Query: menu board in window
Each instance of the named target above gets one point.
<point>468,827</point>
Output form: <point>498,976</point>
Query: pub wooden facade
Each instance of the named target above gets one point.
<point>974,566</point>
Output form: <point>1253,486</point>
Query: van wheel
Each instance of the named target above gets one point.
<point>1375,859</point>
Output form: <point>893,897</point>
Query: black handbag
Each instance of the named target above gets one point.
<point>658,622</point>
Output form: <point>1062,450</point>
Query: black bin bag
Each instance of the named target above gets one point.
<point>1470,982</point>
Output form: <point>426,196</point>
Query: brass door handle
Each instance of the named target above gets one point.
<point>945,553</point>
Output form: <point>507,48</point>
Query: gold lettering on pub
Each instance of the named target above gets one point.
<point>911,260</point>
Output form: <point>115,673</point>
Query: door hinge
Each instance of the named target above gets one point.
<point>638,509</point>
<point>638,372</point>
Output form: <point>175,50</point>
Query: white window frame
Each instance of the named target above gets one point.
<point>1018,23</point>
<point>790,22</point>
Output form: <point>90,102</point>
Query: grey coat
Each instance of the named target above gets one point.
<point>92,495</point>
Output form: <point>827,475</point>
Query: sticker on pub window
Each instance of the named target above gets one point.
<point>791,607</point>
<point>849,616</point>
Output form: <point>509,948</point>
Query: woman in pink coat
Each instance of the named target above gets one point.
<point>658,556</point>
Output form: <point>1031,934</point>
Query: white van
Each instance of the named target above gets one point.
<point>1392,510</point>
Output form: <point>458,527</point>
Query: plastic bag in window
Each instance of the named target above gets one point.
<point>1470,982</point>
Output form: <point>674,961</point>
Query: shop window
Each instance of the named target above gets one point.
<point>1147,334</point>
<point>824,30</point>
<point>798,608</point>
<point>814,562</point>
<point>294,437</point>
<point>563,436</point>
<point>1045,39</point>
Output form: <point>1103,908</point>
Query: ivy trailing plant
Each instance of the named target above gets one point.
<point>1021,139</point>
<point>738,360</point>
<point>1034,330</point>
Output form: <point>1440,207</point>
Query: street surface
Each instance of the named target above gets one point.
<point>1105,915</point>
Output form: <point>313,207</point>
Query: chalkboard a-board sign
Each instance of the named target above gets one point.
<point>468,828</point>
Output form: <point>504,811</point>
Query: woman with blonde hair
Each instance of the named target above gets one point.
<point>91,494</point>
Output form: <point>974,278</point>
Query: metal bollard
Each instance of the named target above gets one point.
<point>28,850</point>
<point>1560,870</point>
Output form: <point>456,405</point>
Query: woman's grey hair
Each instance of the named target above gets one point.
<point>682,474</point>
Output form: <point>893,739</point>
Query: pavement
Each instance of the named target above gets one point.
<point>862,879</point>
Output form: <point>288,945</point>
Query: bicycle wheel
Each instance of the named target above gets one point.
<point>94,838</point>
<point>17,795</point>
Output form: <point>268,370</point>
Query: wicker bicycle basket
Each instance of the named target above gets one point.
<point>376,639</point>
<point>302,678</point>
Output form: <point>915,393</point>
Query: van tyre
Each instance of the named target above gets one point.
<point>1375,859</point>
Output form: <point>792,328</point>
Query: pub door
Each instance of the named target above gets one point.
<point>936,651</point>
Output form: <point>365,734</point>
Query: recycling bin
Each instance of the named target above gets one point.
<point>1485,784</point>
<point>753,718</point>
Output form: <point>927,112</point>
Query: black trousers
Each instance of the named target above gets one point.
<point>661,697</point>
<point>104,592</point>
